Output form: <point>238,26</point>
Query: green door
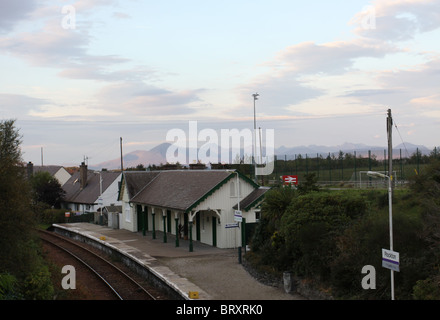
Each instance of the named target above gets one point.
<point>214,231</point>
<point>169,221</point>
<point>198,226</point>
<point>139,217</point>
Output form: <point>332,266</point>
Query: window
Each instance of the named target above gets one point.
<point>257,215</point>
<point>232,189</point>
<point>127,213</point>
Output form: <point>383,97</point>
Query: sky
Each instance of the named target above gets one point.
<point>78,75</point>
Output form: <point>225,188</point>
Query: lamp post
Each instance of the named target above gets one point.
<point>375,174</point>
<point>255,95</point>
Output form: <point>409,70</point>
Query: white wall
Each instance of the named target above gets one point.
<point>223,200</point>
<point>62,176</point>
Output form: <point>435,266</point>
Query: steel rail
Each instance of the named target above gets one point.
<point>90,267</point>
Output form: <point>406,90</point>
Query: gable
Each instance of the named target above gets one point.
<point>91,192</point>
<point>183,189</point>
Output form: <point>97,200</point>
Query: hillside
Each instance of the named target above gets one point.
<point>157,155</point>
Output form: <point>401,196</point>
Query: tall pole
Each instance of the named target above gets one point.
<point>122,163</point>
<point>255,95</point>
<point>390,188</point>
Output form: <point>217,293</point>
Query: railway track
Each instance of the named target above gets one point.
<point>121,285</point>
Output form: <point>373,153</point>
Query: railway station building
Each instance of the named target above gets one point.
<point>210,206</point>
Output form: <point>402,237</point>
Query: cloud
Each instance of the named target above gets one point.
<point>68,51</point>
<point>140,99</point>
<point>398,20</point>
<point>329,58</point>
<point>288,83</point>
<point>14,104</point>
<point>300,77</point>
<point>411,91</point>
<point>12,12</point>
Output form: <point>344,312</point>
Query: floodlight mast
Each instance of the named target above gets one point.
<point>255,95</point>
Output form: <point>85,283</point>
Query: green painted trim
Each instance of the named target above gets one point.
<point>248,207</point>
<point>121,187</point>
<point>220,184</point>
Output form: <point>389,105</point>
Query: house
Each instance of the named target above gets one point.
<point>193,204</point>
<point>58,172</point>
<point>87,191</point>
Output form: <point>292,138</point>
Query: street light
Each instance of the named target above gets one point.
<point>255,95</point>
<point>375,174</point>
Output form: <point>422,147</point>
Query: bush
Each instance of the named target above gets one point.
<point>51,216</point>
<point>428,289</point>
<point>329,236</point>
<point>8,287</point>
<point>38,284</point>
<point>310,226</point>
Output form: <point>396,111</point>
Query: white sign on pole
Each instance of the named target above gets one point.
<point>390,260</point>
<point>238,216</point>
<point>231,225</point>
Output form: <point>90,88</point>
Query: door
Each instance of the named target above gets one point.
<point>214,231</point>
<point>139,217</point>
<point>198,226</point>
<point>169,221</point>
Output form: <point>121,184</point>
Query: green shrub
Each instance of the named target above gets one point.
<point>310,226</point>
<point>428,289</point>
<point>38,285</point>
<point>8,287</point>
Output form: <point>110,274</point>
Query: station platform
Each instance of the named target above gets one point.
<point>212,272</point>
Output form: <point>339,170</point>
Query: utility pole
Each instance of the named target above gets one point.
<point>390,144</point>
<point>390,187</point>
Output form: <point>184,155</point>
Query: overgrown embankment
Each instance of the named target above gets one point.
<point>326,238</point>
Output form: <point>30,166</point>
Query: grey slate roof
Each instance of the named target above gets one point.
<point>90,193</point>
<point>253,198</point>
<point>51,169</point>
<point>175,189</point>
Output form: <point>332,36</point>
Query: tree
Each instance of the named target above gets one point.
<point>20,262</point>
<point>47,189</point>
<point>309,184</point>
<point>15,213</point>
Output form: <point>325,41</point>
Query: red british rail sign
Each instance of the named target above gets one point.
<point>287,180</point>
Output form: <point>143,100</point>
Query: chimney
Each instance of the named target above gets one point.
<point>30,169</point>
<point>83,175</point>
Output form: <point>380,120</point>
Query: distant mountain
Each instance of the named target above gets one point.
<point>157,155</point>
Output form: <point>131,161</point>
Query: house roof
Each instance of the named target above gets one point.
<point>179,189</point>
<point>135,181</point>
<point>91,192</point>
<point>51,169</point>
<point>252,199</point>
<point>112,209</point>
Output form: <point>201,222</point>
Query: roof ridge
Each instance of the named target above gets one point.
<point>154,178</point>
